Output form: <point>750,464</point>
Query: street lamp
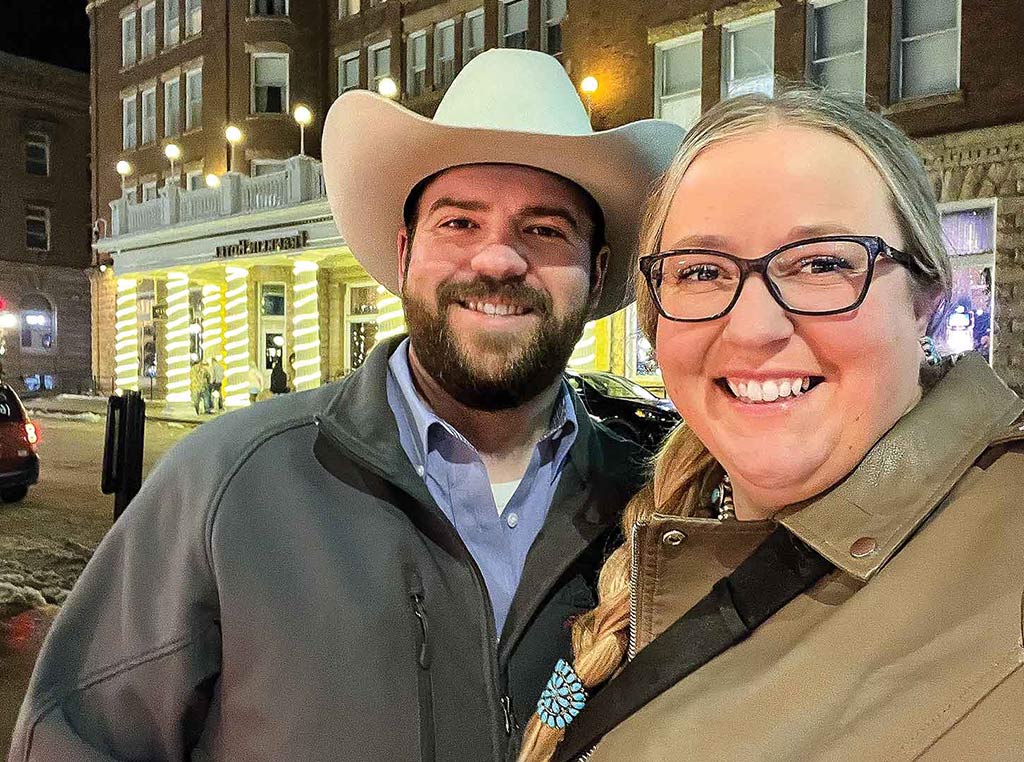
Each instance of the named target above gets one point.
<point>304,117</point>
<point>212,181</point>
<point>387,87</point>
<point>234,136</point>
<point>589,87</point>
<point>173,153</point>
<point>124,169</point>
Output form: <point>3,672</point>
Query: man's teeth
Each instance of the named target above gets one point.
<point>768,391</point>
<point>489,308</point>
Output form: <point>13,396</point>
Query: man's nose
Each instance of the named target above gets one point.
<point>500,259</point>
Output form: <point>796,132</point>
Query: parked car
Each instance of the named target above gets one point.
<point>625,407</point>
<point>19,439</point>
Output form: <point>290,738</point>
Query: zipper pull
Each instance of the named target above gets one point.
<point>510,718</point>
<point>421,615</point>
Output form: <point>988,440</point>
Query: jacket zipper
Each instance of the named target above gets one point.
<point>634,580</point>
<point>498,684</point>
<point>423,658</point>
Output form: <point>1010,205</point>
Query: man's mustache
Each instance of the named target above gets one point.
<point>513,291</point>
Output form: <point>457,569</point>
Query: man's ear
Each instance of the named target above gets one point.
<point>600,269</point>
<point>403,256</point>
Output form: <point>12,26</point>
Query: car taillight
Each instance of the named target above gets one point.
<point>31,434</point>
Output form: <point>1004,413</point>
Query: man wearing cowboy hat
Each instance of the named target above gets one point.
<point>385,568</point>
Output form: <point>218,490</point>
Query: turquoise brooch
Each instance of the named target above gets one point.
<point>563,697</point>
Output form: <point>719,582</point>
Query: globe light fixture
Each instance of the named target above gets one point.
<point>212,181</point>
<point>387,87</point>
<point>589,86</point>
<point>173,153</point>
<point>303,117</point>
<point>124,169</point>
<point>234,137</point>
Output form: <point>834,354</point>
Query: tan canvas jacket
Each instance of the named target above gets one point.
<point>911,649</point>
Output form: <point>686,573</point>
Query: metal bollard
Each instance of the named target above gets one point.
<point>123,445</point>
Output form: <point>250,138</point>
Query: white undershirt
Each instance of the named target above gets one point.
<point>503,492</point>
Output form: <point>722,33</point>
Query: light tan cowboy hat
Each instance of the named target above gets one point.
<point>506,107</point>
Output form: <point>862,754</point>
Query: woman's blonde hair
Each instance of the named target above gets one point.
<point>600,637</point>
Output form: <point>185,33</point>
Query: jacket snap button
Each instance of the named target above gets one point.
<point>865,546</point>
<point>673,537</point>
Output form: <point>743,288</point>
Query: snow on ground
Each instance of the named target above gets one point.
<point>35,572</point>
<point>88,417</point>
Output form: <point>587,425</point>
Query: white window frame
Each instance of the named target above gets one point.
<point>695,38</point>
<point>816,5</point>
<point>149,191</point>
<point>729,54</point>
<point>348,8</point>
<point>193,17</point>
<point>348,319</point>
<point>193,121</point>
<point>898,42</point>
<point>129,49</point>
<point>276,165</point>
<point>373,77</point>
<point>469,53</point>
<point>415,77</point>
<point>172,128</point>
<point>32,348</point>
<point>195,174</point>
<point>172,23</point>
<point>38,139</point>
<point>440,81</point>
<point>148,37</point>
<point>286,14</point>
<point>37,213</point>
<point>148,116</point>
<point>343,84</point>
<point>253,57</point>
<point>546,22</point>
<point>503,32</point>
<point>129,138</point>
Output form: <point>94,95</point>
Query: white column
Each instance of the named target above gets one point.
<point>177,344</point>
<point>584,356</point>
<point>390,316</point>
<point>213,321</point>
<point>126,335</point>
<point>236,337</point>
<point>306,325</point>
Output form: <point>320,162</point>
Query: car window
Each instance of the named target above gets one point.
<point>10,409</point>
<point>613,386</point>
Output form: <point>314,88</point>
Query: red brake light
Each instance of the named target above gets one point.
<point>31,433</point>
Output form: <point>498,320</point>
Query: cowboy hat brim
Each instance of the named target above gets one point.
<point>376,151</point>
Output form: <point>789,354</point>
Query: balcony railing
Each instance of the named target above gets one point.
<point>302,179</point>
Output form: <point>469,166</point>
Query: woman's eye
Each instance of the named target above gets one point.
<point>698,272</point>
<point>825,265</point>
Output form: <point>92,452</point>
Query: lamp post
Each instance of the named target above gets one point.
<point>589,87</point>
<point>303,116</point>
<point>387,87</point>
<point>124,169</point>
<point>173,153</point>
<point>234,136</point>
<point>212,181</point>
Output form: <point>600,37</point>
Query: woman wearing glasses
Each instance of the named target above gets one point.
<point>828,563</point>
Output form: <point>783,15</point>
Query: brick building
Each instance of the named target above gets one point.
<point>933,67</point>
<point>44,155</point>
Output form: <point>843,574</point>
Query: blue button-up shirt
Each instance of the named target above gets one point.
<point>457,479</point>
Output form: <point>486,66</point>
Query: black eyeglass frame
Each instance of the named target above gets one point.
<point>874,245</point>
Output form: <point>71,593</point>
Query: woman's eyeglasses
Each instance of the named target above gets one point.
<point>817,276</point>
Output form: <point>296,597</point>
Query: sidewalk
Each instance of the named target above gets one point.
<point>79,405</point>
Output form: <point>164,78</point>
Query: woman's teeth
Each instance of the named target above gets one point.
<point>768,391</point>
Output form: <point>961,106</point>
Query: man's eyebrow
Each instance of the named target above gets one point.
<point>458,203</point>
<point>552,211</point>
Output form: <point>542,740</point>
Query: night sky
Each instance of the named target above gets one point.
<point>55,31</point>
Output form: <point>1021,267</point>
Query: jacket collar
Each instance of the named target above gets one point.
<point>863,521</point>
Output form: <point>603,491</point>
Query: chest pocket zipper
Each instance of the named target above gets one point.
<point>423,678</point>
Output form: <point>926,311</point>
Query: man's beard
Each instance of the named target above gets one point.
<point>530,364</point>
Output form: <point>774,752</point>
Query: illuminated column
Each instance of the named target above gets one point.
<point>126,335</point>
<point>306,326</point>
<point>177,343</point>
<point>213,321</point>
<point>236,337</point>
<point>584,356</point>
<point>390,317</point>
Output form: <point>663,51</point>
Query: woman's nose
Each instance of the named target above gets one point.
<point>757,319</point>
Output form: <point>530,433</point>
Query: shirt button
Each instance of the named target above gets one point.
<point>420,470</point>
<point>512,520</point>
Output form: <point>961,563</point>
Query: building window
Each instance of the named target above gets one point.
<point>970,232</point>
<point>148,115</point>
<point>748,56</point>
<point>269,8</point>
<point>836,31</point>
<point>444,54</point>
<point>416,66</point>
<point>37,154</point>
<point>551,26</point>
<point>261,167</point>
<point>172,23</point>
<point>348,72</point>
<point>515,19</point>
<point>193,17</point>
<point>360,322</point>
<point>195,179</point>
<point>926,54</point>
<point>347,8</point>
<point>194,99</point>
<point>149,30</point>
<point>677,79</point>
<point>172,106</point>
<point>37,228</point>
<point>129,134</point>
<point>149,191</point>
<point>270,83</point>
<point>378,64</point>
<point>128,42</point>
<point>472,35</point>
<point>38,328</point>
